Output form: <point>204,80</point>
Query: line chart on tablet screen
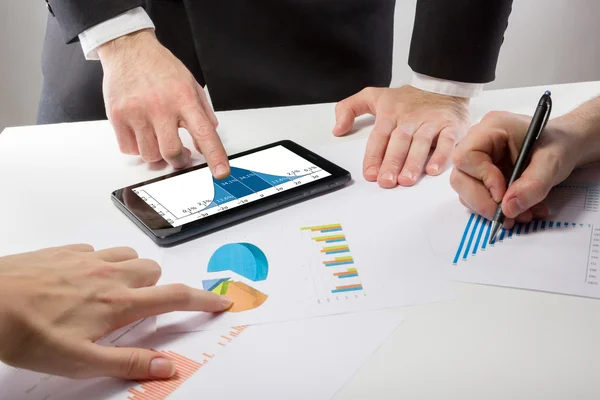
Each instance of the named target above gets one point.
<point>196,194</point>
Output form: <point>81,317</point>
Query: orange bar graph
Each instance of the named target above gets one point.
<point>357,286</point>
<point>161,389</point>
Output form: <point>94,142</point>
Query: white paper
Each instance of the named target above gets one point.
<point>560,254</point>
<point>394,260</point>
<point>293,360</point>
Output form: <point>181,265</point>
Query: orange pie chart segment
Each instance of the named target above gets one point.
<point>244,297</point>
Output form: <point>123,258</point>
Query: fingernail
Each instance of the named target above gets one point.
<point>221,170</point>
<point>408,174</point>
<point>388,176</point>
<point>371,171</point>
<point>162,368</point>
<point>434,168</point>
<point>226,301</point>
<point>515,205</point>
<point>495,195</point>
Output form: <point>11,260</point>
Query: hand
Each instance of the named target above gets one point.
<point>55,303</point>
<point>148,95</point>
<point>408,123</point>
<point>484,161</point>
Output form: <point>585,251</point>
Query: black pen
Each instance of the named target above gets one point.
<point>537,125</point>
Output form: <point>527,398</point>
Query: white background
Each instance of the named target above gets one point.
<point>562,38</point>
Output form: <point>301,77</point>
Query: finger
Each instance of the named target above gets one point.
<point>207,107</point>
<point>147,302</point>
<point>128,363</point>
<point>376,145</point>
<point>169,143</point>
<point>347,110</point>
<point>117,254</point>
<point>540,211</point>
<point>532,187</point>
<point>443,152</point>
<point>147,143</point>
<point>464,203</point>
<point>80,248</point>
<point>207,141</point>
<point>395,155</point>
<point>418,153</point>
<point>473,193</point>
<point>137,273</point>
<point>525,217</point>
<point>125,137</point>
<point>479,165</point>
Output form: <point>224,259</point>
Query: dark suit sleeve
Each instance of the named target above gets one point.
<point>75,16</point>
<point>458,40</point>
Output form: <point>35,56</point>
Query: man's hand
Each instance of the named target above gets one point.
<point>148,95</point>
<point>408,123</point>
<point>55,303</point>
<point>484,161</point>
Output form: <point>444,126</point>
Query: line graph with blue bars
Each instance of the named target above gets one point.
<point>242,182</point>
<point>476,235</point>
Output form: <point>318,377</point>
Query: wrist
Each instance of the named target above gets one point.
<point>126,45</point>
<point>582,135</point>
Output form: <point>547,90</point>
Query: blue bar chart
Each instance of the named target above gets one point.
<point>476,234</point>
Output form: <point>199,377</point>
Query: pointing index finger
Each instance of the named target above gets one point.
<point>156,300</point>
<point>207,141</point>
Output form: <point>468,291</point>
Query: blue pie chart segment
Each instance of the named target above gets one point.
<point>244,259</point>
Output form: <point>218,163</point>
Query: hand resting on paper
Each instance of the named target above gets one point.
<point>55,303</point>
<point>409,122</point>
<point>483,161</point>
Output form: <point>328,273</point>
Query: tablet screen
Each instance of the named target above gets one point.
<point>196,194</point>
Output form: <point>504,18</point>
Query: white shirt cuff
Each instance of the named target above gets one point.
<point>442,86</point>
<point>131,21</point>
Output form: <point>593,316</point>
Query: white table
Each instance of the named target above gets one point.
<point>488,343</point>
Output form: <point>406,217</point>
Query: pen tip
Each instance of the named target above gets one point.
<point>548,93</point>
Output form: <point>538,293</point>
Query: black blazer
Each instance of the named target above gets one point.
<point>285,52</point>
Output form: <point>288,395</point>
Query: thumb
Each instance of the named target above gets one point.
<point>131,363</point>
<point>530,189</point>
<point>347,110</point>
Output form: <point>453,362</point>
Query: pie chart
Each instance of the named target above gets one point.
<point>246,260</point>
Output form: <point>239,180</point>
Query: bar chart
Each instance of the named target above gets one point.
<point>333,266</point>
<point>476,234</point>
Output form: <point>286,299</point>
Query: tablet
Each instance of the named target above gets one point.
<point>187,203</point>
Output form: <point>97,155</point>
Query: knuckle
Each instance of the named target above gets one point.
<point>181,293</point>
<point>187,93</point>
<point>455,180</point>
<point>493,116</point>
<point>459,158</point>
<point>153,269</point>
<point>171,152</point>
<point>103,270</point>
<point>130,364</point>
<point>392,163</point>
<point>402,134</point>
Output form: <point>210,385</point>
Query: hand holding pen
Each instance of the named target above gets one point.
<point>486,158</point>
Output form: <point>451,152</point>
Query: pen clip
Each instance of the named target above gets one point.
<point>546,116</point>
